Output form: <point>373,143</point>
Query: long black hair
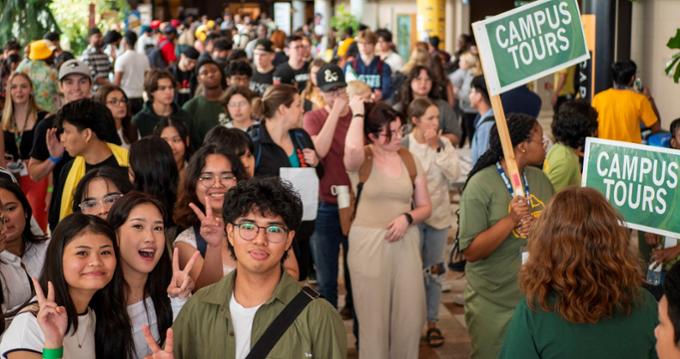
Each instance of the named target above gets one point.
<point>114,175</point>
<point>112,335</point>
<point>160,277</point>
<point>519,126</point>
<point>27,236</point>
<point>181,130</point>
<point>155,171</point>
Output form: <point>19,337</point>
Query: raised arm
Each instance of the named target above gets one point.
<point>354,142</point>
<point>324,139</point>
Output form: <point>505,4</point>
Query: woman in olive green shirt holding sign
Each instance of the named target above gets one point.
<point>582,285</point>
<point>493,228</point>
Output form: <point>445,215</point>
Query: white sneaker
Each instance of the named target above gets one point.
<point>458,299</point>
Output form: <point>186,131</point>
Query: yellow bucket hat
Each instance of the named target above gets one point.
<point>40,50</point>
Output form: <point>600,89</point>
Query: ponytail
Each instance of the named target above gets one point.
<point>519,126</point>
<point>274,96</point>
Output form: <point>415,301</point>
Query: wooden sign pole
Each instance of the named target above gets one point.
<point>506,141</point>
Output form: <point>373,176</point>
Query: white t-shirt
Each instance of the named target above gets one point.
<point>16,285</point>
<point>143,313</point>
<point>394,60</point>
<point>188,237</point>
<point>133,65</point>
<point>24,334</point>
<point>242,318</point>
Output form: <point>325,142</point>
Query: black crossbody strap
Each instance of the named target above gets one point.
<point>282,322</point>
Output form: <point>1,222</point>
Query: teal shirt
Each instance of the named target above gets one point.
<point>294,160</point>
<point>540,334</point>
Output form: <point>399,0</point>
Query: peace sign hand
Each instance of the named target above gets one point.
<point>181,284</point>
<point>157,352</point>
<point>52,318</point>
<point>212,228</point>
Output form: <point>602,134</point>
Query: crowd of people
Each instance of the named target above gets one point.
<point>143,213</point>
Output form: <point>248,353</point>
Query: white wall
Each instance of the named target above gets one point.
<point>654,22</point>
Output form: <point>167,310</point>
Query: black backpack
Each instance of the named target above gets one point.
<point>156,59</point>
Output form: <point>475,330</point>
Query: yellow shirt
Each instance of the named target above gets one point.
<point>568,88</point>
<point>620,113</point>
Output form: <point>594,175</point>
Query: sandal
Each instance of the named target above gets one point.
<point>434,338</point>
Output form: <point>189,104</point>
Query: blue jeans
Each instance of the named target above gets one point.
<point>326,242</point>
<point>432,243</point>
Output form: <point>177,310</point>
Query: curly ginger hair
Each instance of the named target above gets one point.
<point>580,264</point>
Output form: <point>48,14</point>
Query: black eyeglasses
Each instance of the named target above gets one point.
<point>274,233</point>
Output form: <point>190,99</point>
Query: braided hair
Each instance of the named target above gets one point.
<point>519,126</point>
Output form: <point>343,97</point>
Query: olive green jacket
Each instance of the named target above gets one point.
<point>203,329</point>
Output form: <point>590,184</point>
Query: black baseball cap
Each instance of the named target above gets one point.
<point>264,45</point>
<point>191,52</point>
<point>330,77</point>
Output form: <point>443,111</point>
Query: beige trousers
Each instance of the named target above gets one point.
<point>388,291</point>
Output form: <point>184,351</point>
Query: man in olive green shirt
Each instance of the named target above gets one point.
<point>226,319</point>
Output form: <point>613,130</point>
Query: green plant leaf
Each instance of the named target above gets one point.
<point>672,63</point>
<point>676,76</point>
<point>674,42</point>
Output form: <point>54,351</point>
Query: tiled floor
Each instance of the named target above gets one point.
<point>451,320</point>
<point>451,323</point>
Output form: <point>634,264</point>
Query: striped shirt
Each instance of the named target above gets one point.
<point>99,63</point>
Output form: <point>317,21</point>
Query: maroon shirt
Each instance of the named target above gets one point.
<point>334,168</point>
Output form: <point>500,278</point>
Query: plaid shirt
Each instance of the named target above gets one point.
<point>99,63</point>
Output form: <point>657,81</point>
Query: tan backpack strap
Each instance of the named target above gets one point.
<point>29,307</point>
<point>367,165</point>
<point>410,163</point>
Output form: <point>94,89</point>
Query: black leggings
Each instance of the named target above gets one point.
<point>468,126</point>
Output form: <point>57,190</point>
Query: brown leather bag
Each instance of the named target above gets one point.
<point>347,214</point>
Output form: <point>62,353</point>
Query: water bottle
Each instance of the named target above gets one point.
<point>654,274</point>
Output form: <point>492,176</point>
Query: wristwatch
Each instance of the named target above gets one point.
<point>409,218</point>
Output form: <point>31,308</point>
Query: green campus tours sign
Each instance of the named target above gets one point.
<point>640,181</point>
<point>530,42</point>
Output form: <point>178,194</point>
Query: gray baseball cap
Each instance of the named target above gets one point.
<point>73,67</point>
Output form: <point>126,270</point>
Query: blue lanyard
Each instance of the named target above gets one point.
<point>508,186</point>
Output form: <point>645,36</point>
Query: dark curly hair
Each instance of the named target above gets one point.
<point>574,121</point>
<point>239,67</point>
<point>269,196</point>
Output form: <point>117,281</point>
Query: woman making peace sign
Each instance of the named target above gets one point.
<point>155,292</point>
<point>83,312</point>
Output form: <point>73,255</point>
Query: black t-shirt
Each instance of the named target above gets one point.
<point>20,146</point>
<point>260,81</point>
<point>186,84</point>
<point>287,75</point>
<point>55,205</point>
<point>280,57</point>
